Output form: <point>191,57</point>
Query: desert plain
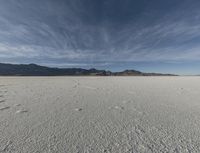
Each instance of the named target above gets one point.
<point>100,114</point>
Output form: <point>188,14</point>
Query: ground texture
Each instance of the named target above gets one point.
<point>99,114</point>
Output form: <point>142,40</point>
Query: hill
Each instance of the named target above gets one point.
<point>37,70</point>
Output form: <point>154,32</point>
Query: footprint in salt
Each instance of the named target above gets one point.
<point>21,111</point>
<point>75,86</point>
<point>4,108</point>
<point>119,107</point>
<point>116,107</point>
<point>17,105</point>
<point>126,101</point>
<point>78,109</point>
<point>2,101</point>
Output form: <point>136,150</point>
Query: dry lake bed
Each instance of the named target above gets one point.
<point>99,114</point>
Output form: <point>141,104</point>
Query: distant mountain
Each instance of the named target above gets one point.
<point>37,70</point>
<point>128,73</point>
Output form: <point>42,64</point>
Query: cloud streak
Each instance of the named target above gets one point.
<point>93,31</point>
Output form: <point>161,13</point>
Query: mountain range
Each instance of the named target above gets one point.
<point>37,70</point>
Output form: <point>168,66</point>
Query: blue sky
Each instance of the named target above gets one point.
<point>147,35</point>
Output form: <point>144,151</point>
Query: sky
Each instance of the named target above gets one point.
<point>147,35</point>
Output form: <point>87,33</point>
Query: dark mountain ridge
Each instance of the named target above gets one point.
<point>37,70</point>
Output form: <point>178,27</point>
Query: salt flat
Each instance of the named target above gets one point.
<point>99,114</point>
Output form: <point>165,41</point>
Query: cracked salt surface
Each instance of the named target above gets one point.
<point>125,114</point>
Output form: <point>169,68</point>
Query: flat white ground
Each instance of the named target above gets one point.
<point>99,114</point>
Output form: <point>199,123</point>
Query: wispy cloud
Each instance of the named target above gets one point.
<point>99,32</point>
